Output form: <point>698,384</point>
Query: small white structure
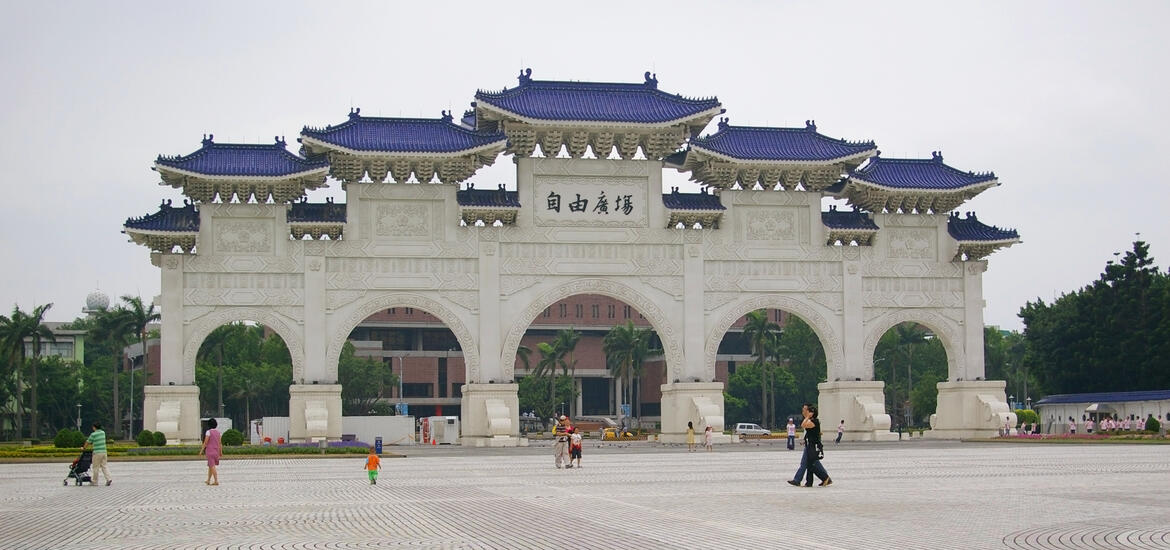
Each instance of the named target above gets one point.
<point>1056,410</point>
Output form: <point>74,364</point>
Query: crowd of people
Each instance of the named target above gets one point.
<point>1105,423</point>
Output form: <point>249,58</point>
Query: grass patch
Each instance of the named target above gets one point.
<point>180,450</point>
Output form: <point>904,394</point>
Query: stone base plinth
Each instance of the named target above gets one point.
<point>700,403</point>
<point>314,412</point>
<point>862,405</point>
<point>490,415</point>
<point>971,409</point>
<point>181,428</point>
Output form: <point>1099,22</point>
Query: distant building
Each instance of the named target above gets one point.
<point>1055,410</point>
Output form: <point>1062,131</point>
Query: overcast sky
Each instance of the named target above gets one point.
<point>1066,101</point>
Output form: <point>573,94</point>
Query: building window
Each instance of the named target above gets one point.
<point>547,311</point>
<point>409,311</point>
<point>580,310</point>
<point>564,309</point>
<point>456,389</point>
<point>417,389</point>
<point>625,312</point>
<point>609,310</point>
<point>442,377</point>
<point>730,368</point>
<point>390,311</point>
<point>596,311</point>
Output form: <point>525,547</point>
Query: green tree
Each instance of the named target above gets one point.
<point>112,331</point>
<point>626,348</point>
<point>762,335</point>
<point>140,316</point>
<point>364,381</point>
<point>13,331</point>
<point>802,351</point>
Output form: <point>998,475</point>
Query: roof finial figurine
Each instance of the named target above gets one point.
<point>810,125</point>
<point>652,79</point>
<point>877,153</point>
<point>446,116</point>
<point>723,123</point>
<point>280,140</point>
<point>936,155</point>
<point>355,112</point>
<point>208,139</point>
<point>526,76</point>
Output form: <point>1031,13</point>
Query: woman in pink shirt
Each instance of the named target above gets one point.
<point>1089,426</point>
<point>212,448</point>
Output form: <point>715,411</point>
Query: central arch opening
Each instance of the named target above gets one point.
<point>243,370</point>
<point>591,357</point>
<point>911,361</point>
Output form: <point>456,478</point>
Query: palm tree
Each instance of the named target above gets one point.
<point>214,343</point>
<point>625,349</point>
<point>114,327</point>
<point>908,336</point>
<point>761,334</point>
<point>550,358</point>
<point>13,331</point>
<point>140,317</point>
<point>565,342</point>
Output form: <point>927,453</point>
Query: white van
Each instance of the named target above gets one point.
<point>744,428</point>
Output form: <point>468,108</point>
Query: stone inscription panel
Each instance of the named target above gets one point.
<point>237,236</point>
<point>913,292</point>
<point>403,219</point>
<point>596,201</point>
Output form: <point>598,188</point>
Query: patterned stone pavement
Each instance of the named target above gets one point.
<point>904,496</point>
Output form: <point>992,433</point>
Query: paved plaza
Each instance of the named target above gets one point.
<point>896,495</point>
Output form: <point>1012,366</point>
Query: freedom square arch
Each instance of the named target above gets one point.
<point>588,216</point>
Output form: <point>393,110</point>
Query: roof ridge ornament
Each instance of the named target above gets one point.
<point>936,156</point>
<point>447,116</point>
<point>723,123</point>
<point>280,141</point>
<point>355,113</point>
<point>810,125</point>
<point>525,76</point>
<point>208,139</point>
<point>652,80</point>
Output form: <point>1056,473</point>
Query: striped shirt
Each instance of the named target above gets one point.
<point>98,440</point>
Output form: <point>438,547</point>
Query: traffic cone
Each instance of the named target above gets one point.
<point>434,441</point>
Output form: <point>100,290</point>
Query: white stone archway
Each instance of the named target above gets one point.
<point>946,330</point>
<point>358,312</point>
<point>672,347</point>
<point>820,324</point>
<point>201,327</point>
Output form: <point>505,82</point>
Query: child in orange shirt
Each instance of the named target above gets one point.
<point>373,464</point>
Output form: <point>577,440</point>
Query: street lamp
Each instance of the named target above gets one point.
<point>79,417</point>
<point>1012,401</point>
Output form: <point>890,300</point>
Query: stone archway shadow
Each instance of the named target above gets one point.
<point>403,299</point>
<point>830,341</point>
<point>203,326</point>
<point>944,329</point>
<point>619,291</point>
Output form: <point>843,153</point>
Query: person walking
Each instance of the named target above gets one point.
<point>212,448</point>
<point>813,448</point>
<point>575,445</point>
<point>97,440</point>
<point>791,434</point>
<point>561,445</point>
<point>707,439</point>
<point>690,437</point>
<point>373,464</point>
<point>1072,426</point>
<point>840,432</point>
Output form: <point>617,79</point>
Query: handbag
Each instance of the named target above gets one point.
<point>820,451</point>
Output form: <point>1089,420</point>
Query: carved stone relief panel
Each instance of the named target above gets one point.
<point>409,219</point>
<point>243,236</point>
<point>590,259</point>
<point>772,276</point>
<point>591,201</point>
<point>772,225</point>
<point>913,244</point>
<point>389,273</point>
<point>912,292</point>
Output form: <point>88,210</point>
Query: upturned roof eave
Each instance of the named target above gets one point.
<point>860,156</point>
<point>499,145</point>
<point>976,187</point>
<point>704,116</point>
<point>133,230</point>
<point>322,171</point>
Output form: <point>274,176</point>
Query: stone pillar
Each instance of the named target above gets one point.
<point>971,364</point>
<point>700,403</point>
<point>860,404</point>
<point>314,412</point>
<point>490,415</point>
<point>315,335</point>
<point>971,408</point>
<point>857,367</point>
<point>172,407</point>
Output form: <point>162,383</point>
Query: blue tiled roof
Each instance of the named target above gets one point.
<point>240,159</point>
<point>402,135</point>
<point>847,219</point>
<point>779,144</point>
<point>468,119</point>
<point>487,197</point>
<point>971,229</point>
<point>1110,397</point>
<point>303,212</point>
<point>168,218</point>
<point>691,201</point>
<point>595,101</point>
<point>918,174</point>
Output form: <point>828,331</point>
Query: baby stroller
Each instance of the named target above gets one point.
<point>79,468</point>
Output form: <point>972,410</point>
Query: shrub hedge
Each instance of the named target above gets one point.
<point>68,439</point>
<point>145,438</point>
<point>232,438</point>
<point>160,439</point>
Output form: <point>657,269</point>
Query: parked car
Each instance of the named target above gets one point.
<point>744,428</point>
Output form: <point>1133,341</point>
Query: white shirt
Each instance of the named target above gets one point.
<point>791,429</point>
